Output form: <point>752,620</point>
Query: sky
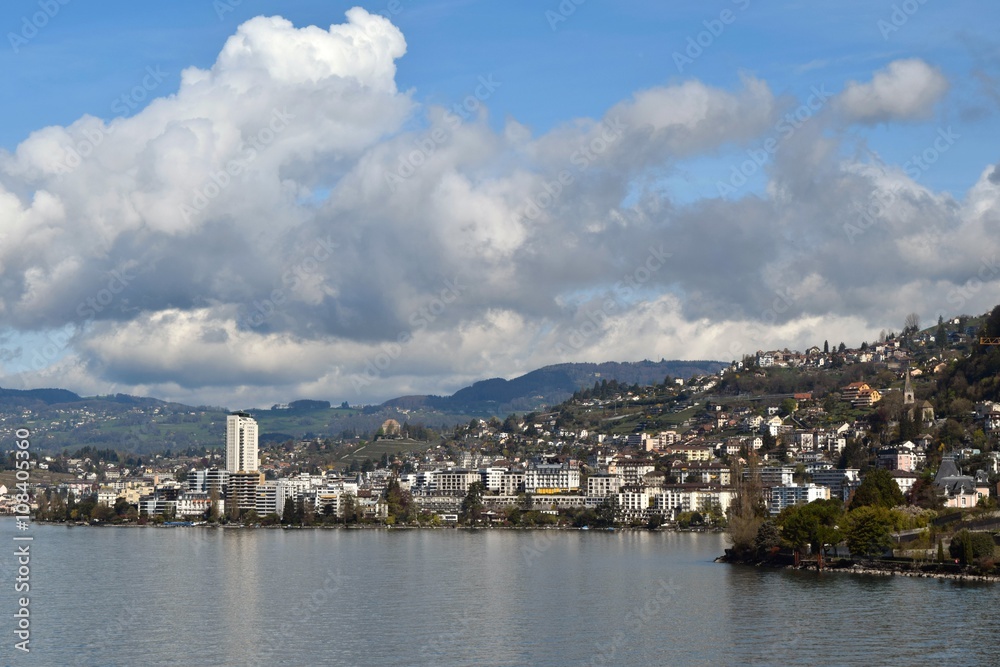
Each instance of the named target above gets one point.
<point>242,203</point>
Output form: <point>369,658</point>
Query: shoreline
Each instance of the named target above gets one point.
<point>82,524</point>
<point>875,571</point>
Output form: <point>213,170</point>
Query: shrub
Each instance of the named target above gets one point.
<point>967,546</point>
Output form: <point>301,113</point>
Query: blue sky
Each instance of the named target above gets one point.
<point>551,69</point>
<point>559,69</point>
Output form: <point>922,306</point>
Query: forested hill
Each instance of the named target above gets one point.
<point>552,384</point>
<point>977,376</point>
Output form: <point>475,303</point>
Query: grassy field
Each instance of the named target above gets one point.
<point>299,422</point>
<point>9,477</point>
<point>375,450</point>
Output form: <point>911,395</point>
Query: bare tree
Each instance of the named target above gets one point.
<point>911,324</point>
<point>747,510</point>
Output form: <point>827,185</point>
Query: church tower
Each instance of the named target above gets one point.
<point>908,389</point>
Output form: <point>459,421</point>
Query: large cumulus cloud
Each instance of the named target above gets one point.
<point>288,223</point>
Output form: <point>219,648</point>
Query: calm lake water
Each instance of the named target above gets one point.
<point>197,596</point>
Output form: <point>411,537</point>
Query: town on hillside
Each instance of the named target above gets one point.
<point>886,447</point>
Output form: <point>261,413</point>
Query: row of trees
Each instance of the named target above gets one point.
<point>866,526</point>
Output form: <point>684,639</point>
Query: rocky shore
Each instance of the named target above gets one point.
<point>925,571</point>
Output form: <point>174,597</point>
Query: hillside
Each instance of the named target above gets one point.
<point>59,419</point>
<point>551,385</point>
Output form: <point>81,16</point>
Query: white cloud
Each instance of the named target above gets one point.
<point>451,253</point>
<point>903,90</point>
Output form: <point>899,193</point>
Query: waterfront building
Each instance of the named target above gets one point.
<point>243,489</point>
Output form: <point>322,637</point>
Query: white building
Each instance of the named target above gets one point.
<point>267,500</point>
<point>241,443</point>
<point>551,477</point>
<point>674,499</point>
<point>634,504</point>
<point>194,505</point>
<point>454,481</point>
<point>203,481</point>
<point>492,478</point>
<point>796,494</point>
<point>106,495</point>
<point>512,483</point>
<point>775,475</point>
<point>602,485</point>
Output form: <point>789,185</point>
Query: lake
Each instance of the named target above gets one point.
<point>201,596</point>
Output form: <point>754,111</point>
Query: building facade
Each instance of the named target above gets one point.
<point>241,443</point>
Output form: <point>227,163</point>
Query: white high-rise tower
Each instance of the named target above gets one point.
<point>241,443</point>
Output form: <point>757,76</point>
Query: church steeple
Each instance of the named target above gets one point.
<point>908,389</point>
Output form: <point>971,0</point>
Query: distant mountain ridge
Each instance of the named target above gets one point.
<point>59,418</point>
<point>46,396</point>
<point>551,385</point>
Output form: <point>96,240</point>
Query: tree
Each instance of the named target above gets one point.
<point>880,489</point>
<point>349,508</point>
<point>909,428</point>
<point>826,347</point>
<point>472,505</point>
<point>967,546</point>
<point>925,494</point>
<point>607,512</point>
<point>855,455</point>
<point>746,510</point>
<point>911,324</point>
<point>768,537</point>
<point>213,507</point>
<point>399,503</point>
<point>288,512</point>
<point>868,531</point>
<point>813,525</point>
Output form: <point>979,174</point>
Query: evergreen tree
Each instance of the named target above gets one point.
<point>868,532</point>
<point>878,488</point>
<point>472,505</point>
<point>288,512</point>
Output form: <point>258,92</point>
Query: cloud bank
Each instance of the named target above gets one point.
<point>288,223</point>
